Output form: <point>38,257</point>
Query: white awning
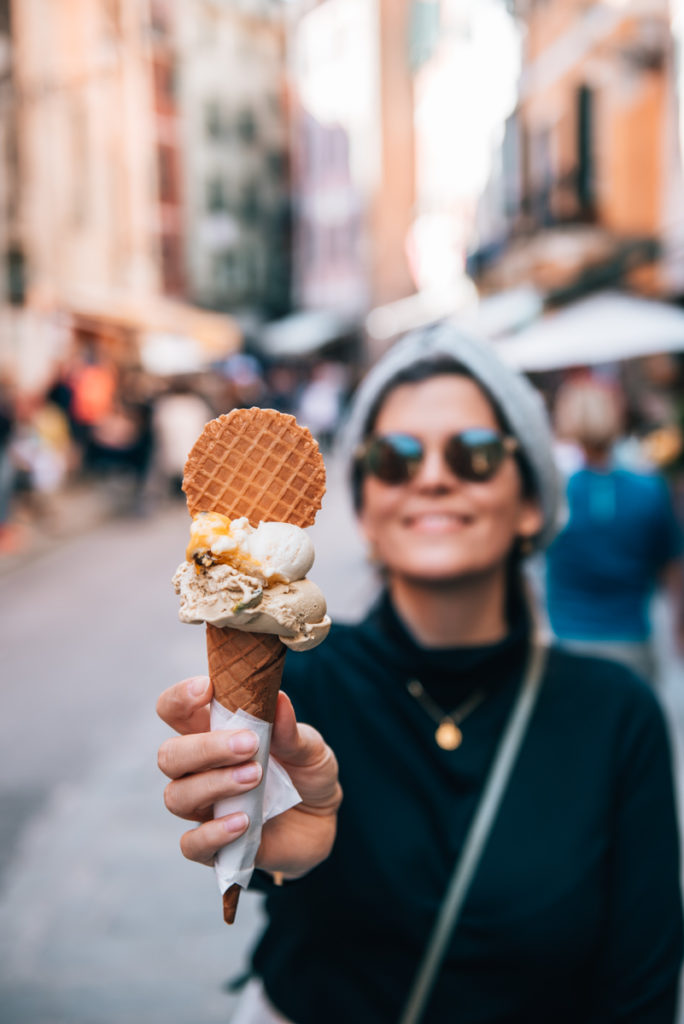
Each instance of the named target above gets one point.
<point>303,333</point>
<point>602,328</point>
<point>506,311</point>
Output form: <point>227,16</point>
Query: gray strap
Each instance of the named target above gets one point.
<point>477,836</point>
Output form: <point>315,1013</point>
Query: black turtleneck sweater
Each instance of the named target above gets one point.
<point>574,914</point>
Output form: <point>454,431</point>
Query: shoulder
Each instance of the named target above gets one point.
<point>604,695</point>
<point>648,486</point>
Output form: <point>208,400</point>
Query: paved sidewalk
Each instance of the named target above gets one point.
<point>78,508</point>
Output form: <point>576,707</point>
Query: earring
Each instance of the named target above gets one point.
<point>525,546</point>
<point>373,555</point>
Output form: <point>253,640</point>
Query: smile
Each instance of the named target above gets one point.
<point>437,522</point>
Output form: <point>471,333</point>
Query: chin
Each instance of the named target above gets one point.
<point>438,574</point>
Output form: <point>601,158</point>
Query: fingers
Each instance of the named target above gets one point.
<point>201,844</point>
<point>194,796</point>
<point>184,706</point>
<point>198,752</point>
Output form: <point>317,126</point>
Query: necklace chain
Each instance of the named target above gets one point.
<point>447,735</point>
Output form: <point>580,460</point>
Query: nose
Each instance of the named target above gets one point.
<point>433,472</point>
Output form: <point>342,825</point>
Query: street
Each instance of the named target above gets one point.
<point>101,918</point>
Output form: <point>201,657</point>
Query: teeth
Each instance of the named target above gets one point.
<point>437,521</point>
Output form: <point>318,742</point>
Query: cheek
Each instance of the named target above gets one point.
<point>378,504</point>
<point>501,507</point>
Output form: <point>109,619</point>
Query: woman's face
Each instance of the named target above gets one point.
<point>436,527</point>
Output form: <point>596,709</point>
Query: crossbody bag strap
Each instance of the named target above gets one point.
<point>478,833</point>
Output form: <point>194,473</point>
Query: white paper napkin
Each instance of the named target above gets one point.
<point>274,794</point>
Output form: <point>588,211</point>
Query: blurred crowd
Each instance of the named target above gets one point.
<point>128,432</point>
<point>619,444</point>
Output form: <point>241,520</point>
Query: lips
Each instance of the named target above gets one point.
<point>437,522</point>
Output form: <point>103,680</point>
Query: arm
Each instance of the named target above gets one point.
<point>204,767</point>
<point>672,581</point>
<point>669,546</point>
<point>638,976</point>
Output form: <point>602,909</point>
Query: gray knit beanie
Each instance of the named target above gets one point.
<point>519,403</point>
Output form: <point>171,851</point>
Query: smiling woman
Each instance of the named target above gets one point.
<point>570,909</point>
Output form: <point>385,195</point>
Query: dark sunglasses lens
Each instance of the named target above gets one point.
<point>393,458</point>
<point>475,454</point>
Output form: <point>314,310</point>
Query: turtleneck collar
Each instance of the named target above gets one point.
<point>450,673</point>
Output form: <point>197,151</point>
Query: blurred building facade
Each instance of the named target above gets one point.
<point>86,131</point>
<point>235,154</point>
<point>397,112</point>
<point>353,156</point>
<point>589,190</point>
<point>85,216</point>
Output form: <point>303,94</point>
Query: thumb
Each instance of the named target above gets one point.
<point>293,742</point>
<point>285,740</point>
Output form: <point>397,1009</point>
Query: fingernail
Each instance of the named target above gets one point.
<point>197,686</point>
<point>236,823</point>
<point>247,773</point>
<point>245,742</point>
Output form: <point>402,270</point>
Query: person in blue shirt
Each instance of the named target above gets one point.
<point>621,540</point>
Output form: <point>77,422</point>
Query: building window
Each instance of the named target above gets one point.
<point>585,150</point>
<point>250,206</point>
<point>159,19</point>
<point>213,120</point>
<point>172,264</point>
<point>217,200</point>
<point>164,83</point>
<point>79,154</point>
<point>277,165</point>
<point>227,275</point>
<point>246,126</point>
<point>168,191</point>
<point>111,16</point>
<point>16,277</point>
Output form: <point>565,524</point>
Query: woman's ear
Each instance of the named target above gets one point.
<point>530,521</point>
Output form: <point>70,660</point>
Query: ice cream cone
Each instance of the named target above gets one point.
<point>263,465</point>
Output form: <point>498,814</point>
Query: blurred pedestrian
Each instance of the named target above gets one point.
<point>8,535</point>
<point>179,414</point>
<point>320,402</point>
<point>570,908</point>
<point>620,543</point>
<point>93,382</point>
<point>40,451</point>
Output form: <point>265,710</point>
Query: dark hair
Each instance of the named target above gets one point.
<point>421,370</point>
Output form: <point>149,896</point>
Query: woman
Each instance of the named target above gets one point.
<point>573,914</point>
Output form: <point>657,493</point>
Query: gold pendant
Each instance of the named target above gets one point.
<point>448,735</point>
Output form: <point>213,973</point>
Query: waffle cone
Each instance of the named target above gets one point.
<point>245,670</point>
<point>261,464</point>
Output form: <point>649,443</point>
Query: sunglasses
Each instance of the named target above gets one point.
<point>475,455</point>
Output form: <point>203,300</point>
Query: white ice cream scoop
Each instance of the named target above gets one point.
<point>271,552</point>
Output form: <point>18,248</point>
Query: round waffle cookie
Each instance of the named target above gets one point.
<point>257,463</point>
<point>261,464</point>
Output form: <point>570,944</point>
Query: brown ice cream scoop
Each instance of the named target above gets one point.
<point>261,464</point>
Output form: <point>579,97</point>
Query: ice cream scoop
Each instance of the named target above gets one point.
<point>272,552</point>
<point>224,597</point>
